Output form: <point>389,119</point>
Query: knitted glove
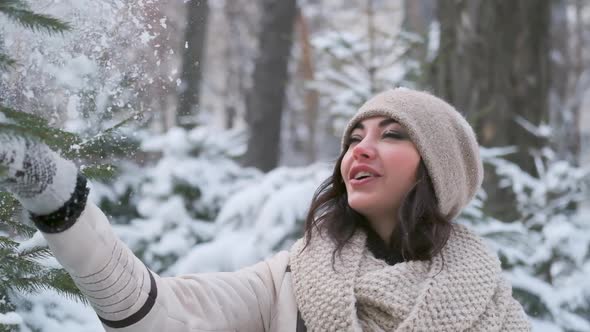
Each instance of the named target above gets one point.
<point>47,185</point>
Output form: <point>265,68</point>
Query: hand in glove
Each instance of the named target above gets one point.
<point>46,184</point>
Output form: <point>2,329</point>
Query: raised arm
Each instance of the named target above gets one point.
<point>125,294</point>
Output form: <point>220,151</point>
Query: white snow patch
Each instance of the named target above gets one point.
<point>145,37</point>
<point>10,318</point>
<point>36,241</point>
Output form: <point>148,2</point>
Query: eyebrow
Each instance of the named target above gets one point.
<point>383,123</point>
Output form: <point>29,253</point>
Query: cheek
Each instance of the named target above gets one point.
<point>405,161</point>
<point>345,166</point>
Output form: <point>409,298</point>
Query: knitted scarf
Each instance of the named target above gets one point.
<point>460,290</point>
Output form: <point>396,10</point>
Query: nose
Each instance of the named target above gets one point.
<point>363,150</point>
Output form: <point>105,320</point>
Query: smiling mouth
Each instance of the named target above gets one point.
<point>363,175</point>
<point>361,179</point>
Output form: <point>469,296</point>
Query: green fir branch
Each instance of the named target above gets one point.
<point>134,116</point>
<point>23,118</point>
<point>61,282</point>
<point>6,62</point>
<point>21,229</point>
<point>26,284</point>
<point>23,273</point>
<point>17,266</point>
<point>9,328</point>
<point>5,304</point>
<point>35,253</point>
<point>56,139</point>
<point>9,207</point>
<point>32,126</point>
<point>100,172</point>
<point>19,12</point>
<point>106,137</point>
<point>7,246</point>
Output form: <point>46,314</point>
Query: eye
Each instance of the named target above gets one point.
<point>394,134</point>
<point>353,139</point>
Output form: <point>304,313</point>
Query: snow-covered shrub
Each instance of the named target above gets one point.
<point>92,75</point>
<point>166,208</point>
<point>546,252</point>
<point>195,205</point>
<point>355,64</point>
<point>264,217</point>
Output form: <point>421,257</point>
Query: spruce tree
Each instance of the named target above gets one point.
<point>21,253</point>
<point>21,270</point>
<point>20,13</point>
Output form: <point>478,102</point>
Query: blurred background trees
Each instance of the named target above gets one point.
<point>237,108</point>
<point>266,99</point>
<point>493,64</point>
<point>192,62</point>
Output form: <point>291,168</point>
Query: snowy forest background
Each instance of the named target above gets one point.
<point>206,126</point>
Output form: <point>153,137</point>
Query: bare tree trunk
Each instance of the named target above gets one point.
<point>418,17</point>
<point>267,97</point>
<point>192,62</point>
<point>372,69</point>
<point>565,106</point>
<point>581,84</point>
<point>160,96</point>
<point>234,81</point>
<point>2,88</point>
<point>311,95</point>
<point>242,24</point>
<point>418,14</point>
<point>493,65</point>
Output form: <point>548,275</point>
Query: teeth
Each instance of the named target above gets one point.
<point>362,175</point>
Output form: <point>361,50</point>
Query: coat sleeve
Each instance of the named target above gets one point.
<point>127,296</point>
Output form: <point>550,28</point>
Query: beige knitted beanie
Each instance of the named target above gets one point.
<point>443,138</point>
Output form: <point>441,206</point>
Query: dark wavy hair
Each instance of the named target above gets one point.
<point>421,230</point>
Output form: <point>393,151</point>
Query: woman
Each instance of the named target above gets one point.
<point>381,252</point>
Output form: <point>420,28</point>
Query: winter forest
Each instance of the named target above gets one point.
<point>205,126</point>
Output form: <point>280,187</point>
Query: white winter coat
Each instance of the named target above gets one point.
<point>128,297</point>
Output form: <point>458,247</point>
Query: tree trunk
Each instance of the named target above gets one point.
<point>242,20</point>
<point>267,96</point>
<point>565,99</point>
<point>418,15</point>
<point>160,97</point>
<point>192,62</point>
<point>493,65</point>
<point>312,97</point>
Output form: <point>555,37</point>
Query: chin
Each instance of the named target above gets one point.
<point>368,206</point>
<point>362,206</point>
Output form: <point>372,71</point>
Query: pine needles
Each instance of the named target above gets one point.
<point>20,12</point>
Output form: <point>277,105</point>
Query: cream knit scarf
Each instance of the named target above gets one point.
<point>366,294</point>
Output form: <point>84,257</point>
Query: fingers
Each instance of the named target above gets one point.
<point>3,158</point>
<point>13,161</point>
<point>12,151</point>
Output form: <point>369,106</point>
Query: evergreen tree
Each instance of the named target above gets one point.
<point>545,253</point>
<point>22,250</point>
<point>355,64</point>
<point>19,12</point>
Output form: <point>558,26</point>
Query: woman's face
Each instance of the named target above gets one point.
<point>379,167</point>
